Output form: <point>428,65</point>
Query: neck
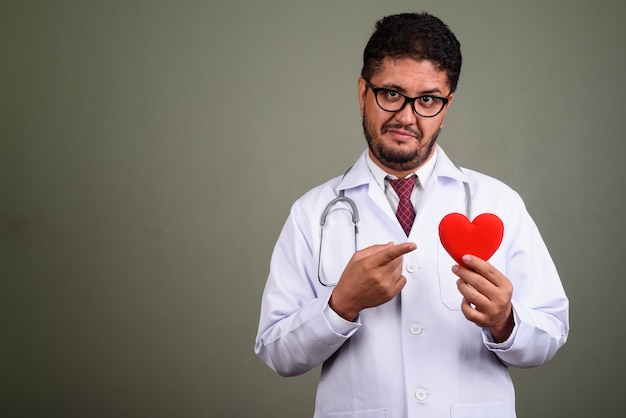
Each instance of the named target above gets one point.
<point>399,172</point>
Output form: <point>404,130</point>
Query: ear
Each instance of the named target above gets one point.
<point>362,89</point>
<point>445,111</point>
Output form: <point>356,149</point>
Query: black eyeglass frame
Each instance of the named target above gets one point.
<point>407,99</point>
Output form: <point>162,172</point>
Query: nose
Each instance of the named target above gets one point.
<point>406,115</point>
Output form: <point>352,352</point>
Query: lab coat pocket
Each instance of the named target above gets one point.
<point>372,413</point>
<point>482,410</point>
<point>450,295</point>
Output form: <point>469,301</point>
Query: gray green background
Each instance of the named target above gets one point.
<point>150,151</point>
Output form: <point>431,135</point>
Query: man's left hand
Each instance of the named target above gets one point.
<point>486,296</point>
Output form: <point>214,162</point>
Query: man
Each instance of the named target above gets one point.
<point>401,329</point>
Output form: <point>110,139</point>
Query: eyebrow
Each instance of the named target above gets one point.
<point>433,91</point>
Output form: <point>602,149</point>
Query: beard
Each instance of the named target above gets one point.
<point>398,160</point>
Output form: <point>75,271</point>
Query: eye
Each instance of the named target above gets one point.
<point>427,101</point>
<point>392,95</point>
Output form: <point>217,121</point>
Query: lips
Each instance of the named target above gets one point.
<point>401,136</point>
<point>401,133</point>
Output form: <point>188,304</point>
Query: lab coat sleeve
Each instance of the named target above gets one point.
<point>294,333</point>
<point>540,306</point>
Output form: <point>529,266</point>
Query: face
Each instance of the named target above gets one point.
<point>400,142</point>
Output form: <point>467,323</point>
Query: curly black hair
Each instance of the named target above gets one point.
<point>420,36</point>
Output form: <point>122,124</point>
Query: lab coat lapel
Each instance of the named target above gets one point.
<point>360,175</point>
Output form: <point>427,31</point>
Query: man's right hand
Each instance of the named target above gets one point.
<point>372,277</point>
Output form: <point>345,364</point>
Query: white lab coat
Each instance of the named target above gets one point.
<point>417,355</point>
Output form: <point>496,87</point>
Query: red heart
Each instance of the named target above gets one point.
<point>481,237</point>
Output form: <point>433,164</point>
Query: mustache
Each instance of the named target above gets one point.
<point>407,128</point>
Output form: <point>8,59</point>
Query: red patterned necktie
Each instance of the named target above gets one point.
<point>405,212</point>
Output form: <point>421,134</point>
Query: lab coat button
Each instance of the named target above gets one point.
<point>421,394</point>
<point>416,329</point>
<point>411,267</point>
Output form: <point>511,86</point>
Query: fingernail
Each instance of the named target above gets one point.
<point>455,268</point>
<point>466,258</point>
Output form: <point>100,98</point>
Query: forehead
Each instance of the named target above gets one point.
<point>411,75</point>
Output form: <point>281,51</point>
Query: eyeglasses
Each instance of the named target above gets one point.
<point>426,106</point>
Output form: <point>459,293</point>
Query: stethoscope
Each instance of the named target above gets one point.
<point>341,197</point>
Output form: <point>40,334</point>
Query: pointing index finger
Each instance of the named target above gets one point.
<point>397,250</point>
